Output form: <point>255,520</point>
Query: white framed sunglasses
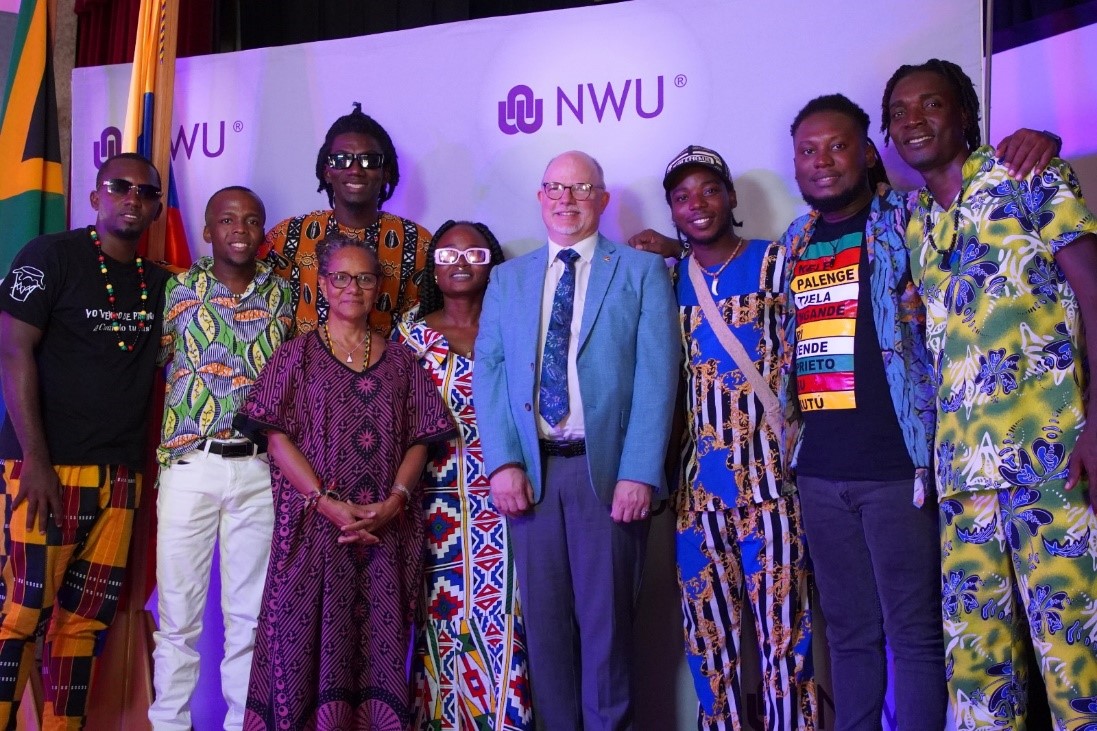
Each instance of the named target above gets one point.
<point>476,256</point>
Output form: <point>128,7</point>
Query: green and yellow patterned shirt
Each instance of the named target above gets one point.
<point>1003,326</point>
<point>220,341</point>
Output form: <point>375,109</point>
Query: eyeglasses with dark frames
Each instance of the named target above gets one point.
<point>341,280</point>
<point>579,191</point>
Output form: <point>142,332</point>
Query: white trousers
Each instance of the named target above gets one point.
<point>204,498</point>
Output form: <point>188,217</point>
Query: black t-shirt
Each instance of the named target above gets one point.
<point>94,396</point>
<point>845,438</point>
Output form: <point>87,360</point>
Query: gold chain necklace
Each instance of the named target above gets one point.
<point>368,342</point>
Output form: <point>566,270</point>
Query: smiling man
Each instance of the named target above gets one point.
<point>79,334</point>
<point>222,320</point>
<point>740,542</point>
<point>577,362</point>
<point>1008,271</point>
<point>856,365</point>
<point>358,168</point>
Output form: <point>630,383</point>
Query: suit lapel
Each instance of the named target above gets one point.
<point>527,313</point>
<point>602,267</point>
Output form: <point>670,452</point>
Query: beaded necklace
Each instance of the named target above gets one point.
<point>947,254</point>
<point>368,342</point>
<point>142,317</point>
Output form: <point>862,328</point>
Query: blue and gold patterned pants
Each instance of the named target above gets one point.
<point>1020,566</point>
<point>749,558</point>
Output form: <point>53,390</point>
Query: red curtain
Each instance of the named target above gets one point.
<point>107,29</point>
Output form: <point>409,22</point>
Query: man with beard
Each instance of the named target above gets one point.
<point>739,537</point>
<point>848,517</point>
<point>857,381</point>
<point>79,334</point>
<point>358,168</point>
<point>1008,271</point>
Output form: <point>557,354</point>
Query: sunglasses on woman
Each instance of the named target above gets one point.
<point>476,256</point>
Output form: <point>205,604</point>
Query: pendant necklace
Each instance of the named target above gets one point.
<point>368,342</point>
<point>716,275</point>
<point>142,317</point>
<point>948,254</point>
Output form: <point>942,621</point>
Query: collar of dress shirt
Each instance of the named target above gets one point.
<point>584,248</point>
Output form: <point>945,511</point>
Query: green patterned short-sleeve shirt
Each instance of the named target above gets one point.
<point>1003,326</point>
<point>220,341</point>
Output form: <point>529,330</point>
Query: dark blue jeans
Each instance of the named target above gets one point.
<point>877,561</point>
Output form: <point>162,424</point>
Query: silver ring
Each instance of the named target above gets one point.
<point>643,513</point>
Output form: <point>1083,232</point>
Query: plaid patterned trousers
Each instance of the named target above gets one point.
<point>65,582</point>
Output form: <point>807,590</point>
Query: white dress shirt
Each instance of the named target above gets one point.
<point>571,426</point>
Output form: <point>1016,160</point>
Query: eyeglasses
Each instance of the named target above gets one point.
<point>579,191</point>
<point>476,256</point>
<point>341,280</point>
<point>121,188</point>
<point>368,160</point>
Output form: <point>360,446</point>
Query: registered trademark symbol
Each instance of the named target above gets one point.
<point>680,80</point>
<point>237,126</point>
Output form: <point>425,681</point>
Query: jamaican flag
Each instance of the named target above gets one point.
<point>32,199</point>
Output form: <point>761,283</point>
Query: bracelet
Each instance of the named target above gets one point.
<point>314,498</point>
<point>398,489</point>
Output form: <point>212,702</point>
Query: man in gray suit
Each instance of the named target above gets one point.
<point>576,370</point>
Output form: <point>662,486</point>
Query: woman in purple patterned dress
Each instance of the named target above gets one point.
<point>347,420</point>
<point>469,670</point>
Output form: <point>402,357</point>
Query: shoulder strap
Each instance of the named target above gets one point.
<point>736,350</point>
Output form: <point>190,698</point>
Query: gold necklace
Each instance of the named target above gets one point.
<point>716,275</point>
<point>368,342</point>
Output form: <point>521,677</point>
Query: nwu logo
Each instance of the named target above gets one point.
<point>109,145</point>
<point>205,138</point>
<point>523,112</point>
<point>26,280</point>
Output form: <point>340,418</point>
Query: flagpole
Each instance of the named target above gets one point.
<point>161,128</point>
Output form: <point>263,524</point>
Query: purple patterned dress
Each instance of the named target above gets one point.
<point>334,629</point>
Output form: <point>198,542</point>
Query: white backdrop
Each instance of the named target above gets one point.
<point>733,75</point>
<point>631,83</point>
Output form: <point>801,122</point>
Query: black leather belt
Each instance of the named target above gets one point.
<point>563,448</point>
<point>231,449</point>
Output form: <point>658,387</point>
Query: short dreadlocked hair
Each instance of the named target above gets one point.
<point>430,297</point>
<point>842,104</point>
<point>360,123</point>
<point>962,87</point>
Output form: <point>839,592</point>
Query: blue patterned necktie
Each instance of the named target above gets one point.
<point>553,395</point>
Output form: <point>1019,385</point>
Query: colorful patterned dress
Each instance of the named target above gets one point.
<point>334,630</point>
<point>469,670</point>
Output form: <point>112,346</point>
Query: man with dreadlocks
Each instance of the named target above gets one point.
<point>1008,272</point>
<point>358,168</point>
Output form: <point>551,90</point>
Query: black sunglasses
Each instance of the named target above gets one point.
<point>121,188</point>
<point>368,160</point>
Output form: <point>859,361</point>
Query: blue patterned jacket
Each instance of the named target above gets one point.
<point>900,318</point>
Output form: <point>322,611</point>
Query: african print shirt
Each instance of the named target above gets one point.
<point>401,245</point>
<point>1004,329</point>
<point>732,456</point>
<point>898,314</point>
<point>220,341</point>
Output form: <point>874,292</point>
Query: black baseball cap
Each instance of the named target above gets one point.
<point>697,155</point>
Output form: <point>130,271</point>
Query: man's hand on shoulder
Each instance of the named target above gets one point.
<point>631,501</point>
<point>1027,151</point>
<point>511,491</point>
<point>657,243</point>
<point>40,488</point>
